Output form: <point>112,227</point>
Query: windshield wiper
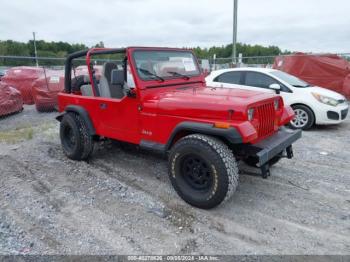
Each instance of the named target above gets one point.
<point>178,74</point>
<point>146,72</point>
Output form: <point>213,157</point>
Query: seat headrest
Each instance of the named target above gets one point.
<point>117,77</point>
<point>107,68</point>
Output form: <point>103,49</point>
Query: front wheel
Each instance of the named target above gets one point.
<point>304,118</point>
<point>203,170</point>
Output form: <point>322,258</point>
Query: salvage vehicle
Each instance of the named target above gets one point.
<point>329,71</point>
<point>10,100</point>
<point>2,73</point>
<point>311,104</point>
<point>157,99</point>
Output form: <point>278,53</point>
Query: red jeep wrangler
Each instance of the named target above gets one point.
<point>157,98</point>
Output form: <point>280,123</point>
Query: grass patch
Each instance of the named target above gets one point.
<point>16,135</point>
<point>23,133</point>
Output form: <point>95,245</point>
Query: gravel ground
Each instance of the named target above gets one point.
<point>121,201</point>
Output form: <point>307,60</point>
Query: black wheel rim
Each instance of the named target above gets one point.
<point>69,136</point>
<point>196,172</point>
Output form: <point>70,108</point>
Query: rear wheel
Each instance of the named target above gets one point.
<point>76,140</point>
<point>304,118</point>
<point>203,170</point>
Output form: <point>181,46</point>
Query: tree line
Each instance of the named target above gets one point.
<point>225,51</point>
<point>62,49</point>
<point>44,49</point>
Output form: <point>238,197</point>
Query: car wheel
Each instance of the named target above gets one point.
<point>76,140</point>
<point>203,170</point>
<point>304,118</point>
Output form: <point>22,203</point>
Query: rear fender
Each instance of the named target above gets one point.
<point>82,113</point>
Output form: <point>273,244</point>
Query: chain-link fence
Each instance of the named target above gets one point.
<point>223,63</point>
<point>25,83</point>
<point>207,64</point>
<point>211,64</point>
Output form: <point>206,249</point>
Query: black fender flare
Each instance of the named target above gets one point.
<point>82,113</point>
<point>231,134</point>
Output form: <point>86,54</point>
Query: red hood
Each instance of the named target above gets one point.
<point>209,103</point>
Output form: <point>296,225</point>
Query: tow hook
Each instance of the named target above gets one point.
<point>265,170</point>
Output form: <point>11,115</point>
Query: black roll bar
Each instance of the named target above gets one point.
<point>69,59</point>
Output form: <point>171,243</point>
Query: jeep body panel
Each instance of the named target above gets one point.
<point>112,118</point>
<point>159,109</point>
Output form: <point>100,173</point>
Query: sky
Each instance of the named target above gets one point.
<point>296,25</point>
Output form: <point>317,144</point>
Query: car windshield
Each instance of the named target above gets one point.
<point>292,80</point>
<point>160,65</point>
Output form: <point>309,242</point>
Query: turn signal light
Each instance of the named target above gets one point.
<point>222,125</point>
<point>251,114</point>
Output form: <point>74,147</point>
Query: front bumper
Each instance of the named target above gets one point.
<point>332,115</point>
<point>270,147</point>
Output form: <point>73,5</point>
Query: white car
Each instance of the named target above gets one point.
<point>311,104</point>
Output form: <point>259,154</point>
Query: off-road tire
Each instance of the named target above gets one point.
<point>310,115</point>
<point>221,164</point>
<point>83,142</point>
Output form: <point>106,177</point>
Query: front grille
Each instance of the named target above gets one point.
<point>266,115</point>
<point>344,113</point>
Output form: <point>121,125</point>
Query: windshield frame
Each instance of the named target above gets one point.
<point>172,77</point>
<point>302,84</point>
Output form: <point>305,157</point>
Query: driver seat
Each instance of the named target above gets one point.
<point>105,80</point>
<point>106,88</point>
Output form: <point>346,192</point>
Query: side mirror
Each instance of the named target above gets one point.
<point>117,77</point>
<point>275,87</point>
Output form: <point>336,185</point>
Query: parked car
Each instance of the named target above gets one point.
<point>311,104</point>
<point>168,108</point>
<point>22,78</point>
<point>10,100</point>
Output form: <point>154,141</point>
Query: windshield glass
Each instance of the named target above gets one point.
<point>292,80</point>
<point>159,65</point>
